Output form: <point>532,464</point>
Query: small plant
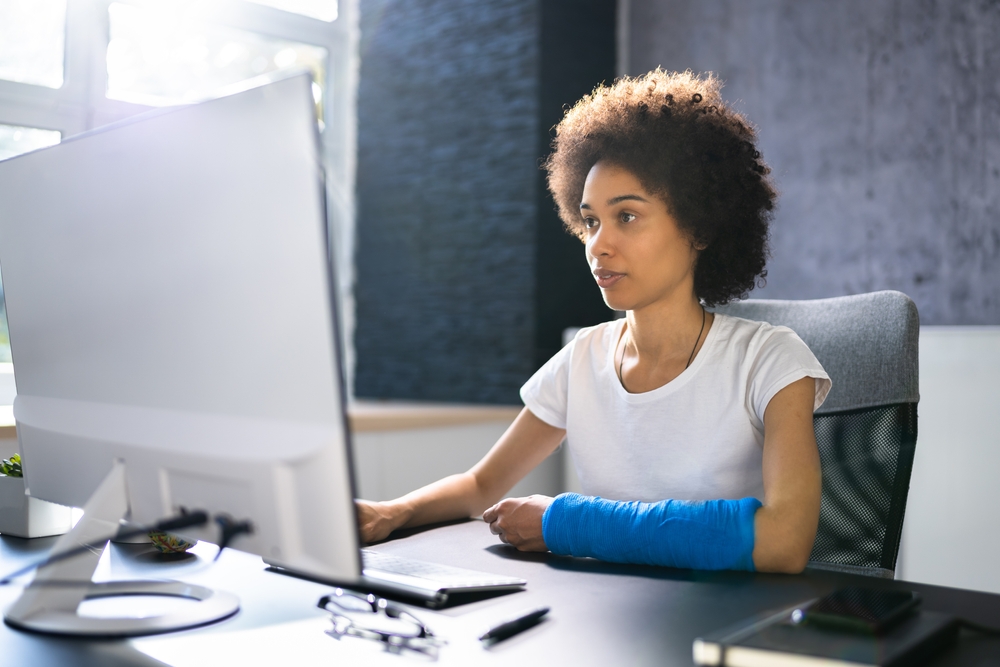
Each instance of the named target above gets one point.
<point>11,467</point>
<point>166,543</point>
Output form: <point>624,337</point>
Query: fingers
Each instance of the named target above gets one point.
<point>500,516</point>
<point>505,506</point>
<point>518,522</point>
<point>490,515</point>
<point>499,532</point>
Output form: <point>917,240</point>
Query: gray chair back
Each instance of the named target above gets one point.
<point>867,428</point>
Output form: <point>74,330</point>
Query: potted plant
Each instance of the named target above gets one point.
<point>22,515</point>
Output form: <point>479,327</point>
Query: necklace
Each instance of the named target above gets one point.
<point>688,364</point>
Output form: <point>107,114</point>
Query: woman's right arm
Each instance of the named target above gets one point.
<point>525,444</point>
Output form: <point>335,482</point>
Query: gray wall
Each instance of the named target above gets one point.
<point>465,278</point>
<point>881,120</point>
<point>447,177</point>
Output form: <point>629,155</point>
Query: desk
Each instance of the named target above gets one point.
<point>601,614</point>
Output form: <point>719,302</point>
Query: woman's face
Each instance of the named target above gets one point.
<point>635,248</point>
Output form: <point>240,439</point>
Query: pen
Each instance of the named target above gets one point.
<point>513,626</point>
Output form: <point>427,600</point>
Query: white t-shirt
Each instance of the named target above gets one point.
<point>698,437</point>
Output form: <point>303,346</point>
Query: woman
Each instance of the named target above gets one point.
<point>691,432</point>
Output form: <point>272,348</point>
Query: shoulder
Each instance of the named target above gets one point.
<point>771,357</point>
<point>596,340</point>
<point>599,332</point>
<point>750,338</point>
<point>587,344</point>
<point>546,393</point>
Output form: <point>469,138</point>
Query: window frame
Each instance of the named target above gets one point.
<point>81,103</point>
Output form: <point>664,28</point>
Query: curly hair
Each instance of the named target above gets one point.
<point>691,149</point>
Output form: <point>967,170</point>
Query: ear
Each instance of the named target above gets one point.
<point>699,246</point>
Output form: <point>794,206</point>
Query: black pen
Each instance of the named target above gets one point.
<point>513,626</point>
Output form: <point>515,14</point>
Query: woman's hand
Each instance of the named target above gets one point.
<point>522,447</point>
<point>518,522</point>
<point>377,520</point>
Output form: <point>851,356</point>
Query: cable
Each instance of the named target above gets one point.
<point>230,528</point>
<point>183,520</point>
<point>976,627</point>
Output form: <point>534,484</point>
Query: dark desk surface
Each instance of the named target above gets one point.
<point>601,614</point>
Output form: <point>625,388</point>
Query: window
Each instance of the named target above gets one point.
<point>67,66</point>
<point>15,139</point>
<point>32,41</point>
<point>167,56</point>
<point>324,10</point>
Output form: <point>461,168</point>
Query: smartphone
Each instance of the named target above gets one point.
<point>854,609</point>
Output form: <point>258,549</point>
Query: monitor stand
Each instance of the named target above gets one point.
<point>49,604</point>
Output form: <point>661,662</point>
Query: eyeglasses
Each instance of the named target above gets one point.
<point>371,617</point>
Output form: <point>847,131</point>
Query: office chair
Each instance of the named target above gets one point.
<point>867,428</point>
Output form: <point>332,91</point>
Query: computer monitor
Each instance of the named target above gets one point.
<point>171,310</point>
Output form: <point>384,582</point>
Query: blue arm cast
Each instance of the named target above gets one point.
<point>702,535</point>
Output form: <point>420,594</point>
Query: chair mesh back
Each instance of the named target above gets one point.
<point>866,456</point>
<point>867,428</point>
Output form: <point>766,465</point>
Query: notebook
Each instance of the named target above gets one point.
<point>774,640</point>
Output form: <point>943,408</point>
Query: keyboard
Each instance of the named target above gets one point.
<point>377,565</point>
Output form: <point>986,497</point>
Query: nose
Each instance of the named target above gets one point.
<point>600,243</point>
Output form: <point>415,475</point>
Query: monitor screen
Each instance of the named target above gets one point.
<point>168,284</point>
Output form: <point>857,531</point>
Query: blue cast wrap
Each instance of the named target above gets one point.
<point>702,535</point>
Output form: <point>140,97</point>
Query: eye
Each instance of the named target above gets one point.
<point>627,217</point>
<point>589,223</point>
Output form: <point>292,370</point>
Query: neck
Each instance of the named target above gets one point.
<point>664,331</point>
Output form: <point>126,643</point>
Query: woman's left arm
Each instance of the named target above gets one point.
<point>785,527</point>
<point>719,534</point>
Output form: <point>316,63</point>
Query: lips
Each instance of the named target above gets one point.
<point>606,279</point>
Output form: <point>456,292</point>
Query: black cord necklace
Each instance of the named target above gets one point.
<point>686,366</point>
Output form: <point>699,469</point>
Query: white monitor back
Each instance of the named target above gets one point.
<point>169,298</point>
